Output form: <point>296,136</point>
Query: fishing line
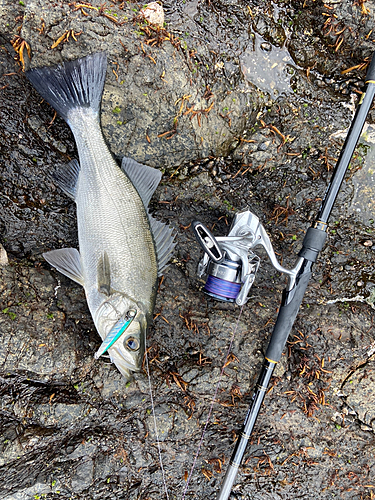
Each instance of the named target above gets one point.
<point>155,424</point>
<point>212,405</point>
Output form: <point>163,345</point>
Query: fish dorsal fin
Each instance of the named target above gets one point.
<point>104,274</point>
<point>68,262</point>
<point>164,242</point>
<point>144,178</point>
<point>67,177</point>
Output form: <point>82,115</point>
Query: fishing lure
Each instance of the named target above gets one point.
<point>117,331</point>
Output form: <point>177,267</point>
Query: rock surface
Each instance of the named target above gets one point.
<point>70,427</point>
<point>157,107</point>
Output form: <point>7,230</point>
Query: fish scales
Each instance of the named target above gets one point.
<point>111,217</point>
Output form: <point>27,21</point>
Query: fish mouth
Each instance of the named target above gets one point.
<point>128,353</point>
<point>124,371</point>
<point>122,326</point>
<point>124,367</point>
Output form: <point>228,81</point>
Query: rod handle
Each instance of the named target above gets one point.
<point>230,477</point>
<point>287,314</point>
<point>370,76</point>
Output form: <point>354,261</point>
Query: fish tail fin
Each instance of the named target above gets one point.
<point>73,84</point>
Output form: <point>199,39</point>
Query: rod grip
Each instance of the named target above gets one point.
<point>370,76</point>
<point>287,314</point>
<point>313,243</point>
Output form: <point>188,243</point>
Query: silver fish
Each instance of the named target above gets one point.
<point>122,249</point>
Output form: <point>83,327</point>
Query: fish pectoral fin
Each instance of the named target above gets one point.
<point>104,275</point>
<point>67,177</point>
<point>164,242</point>
<point>68,262</point>
<point>144,178</point>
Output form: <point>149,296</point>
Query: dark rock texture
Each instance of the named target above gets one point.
<point>158,107</point>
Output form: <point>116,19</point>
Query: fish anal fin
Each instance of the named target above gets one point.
<point>164,242</point>
<point>68,262</point>
<point>144,178</point>
<point>67,178</point>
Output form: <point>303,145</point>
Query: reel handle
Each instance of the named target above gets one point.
<point>208,242</point>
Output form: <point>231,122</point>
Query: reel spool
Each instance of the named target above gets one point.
<point>223,280</point>
<point>229,262</point>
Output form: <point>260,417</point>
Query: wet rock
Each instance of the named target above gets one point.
<point>359,394</point>
<point>155,106</point>
<point>35,491</point>
<point>83,475</point>
<point>265,25</point>
<point>61,414</point>
<point>38,126</point>
<point>168,419</point>
<point>35,347</point>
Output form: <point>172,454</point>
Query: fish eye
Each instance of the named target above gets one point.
<point>132,344</point>
<point>131,313</point>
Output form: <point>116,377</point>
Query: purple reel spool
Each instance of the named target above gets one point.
<point>223,281</point>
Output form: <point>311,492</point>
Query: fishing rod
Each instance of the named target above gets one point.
<point>230,266</point>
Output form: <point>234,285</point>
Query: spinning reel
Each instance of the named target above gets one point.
<point>229,261</point>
